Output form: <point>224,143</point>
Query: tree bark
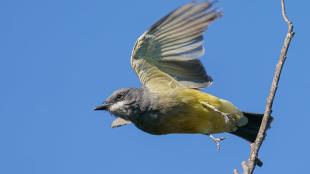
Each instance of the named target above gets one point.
<point>249,166</point>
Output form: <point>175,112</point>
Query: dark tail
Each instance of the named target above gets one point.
<point>250,130</point>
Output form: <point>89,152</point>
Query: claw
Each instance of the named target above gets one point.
<point>217,141</point>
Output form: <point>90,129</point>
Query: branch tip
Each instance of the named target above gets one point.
<point>249,166</point>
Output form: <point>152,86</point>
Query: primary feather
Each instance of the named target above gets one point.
<point>169,50</point>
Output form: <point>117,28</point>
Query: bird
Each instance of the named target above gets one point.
<point>170,100</point>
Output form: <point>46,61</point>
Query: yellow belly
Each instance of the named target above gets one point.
<point>192,116</point>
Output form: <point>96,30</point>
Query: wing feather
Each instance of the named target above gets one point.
<point>168,52</point>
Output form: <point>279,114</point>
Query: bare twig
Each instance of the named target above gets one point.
<point>250,165</point>
<point>244,167</point>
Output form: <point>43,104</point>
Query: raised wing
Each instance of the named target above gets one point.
<point>167,54</point>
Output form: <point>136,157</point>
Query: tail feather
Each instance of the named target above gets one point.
<point>250,130</point>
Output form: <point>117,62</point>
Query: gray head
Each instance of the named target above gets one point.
<point>123,103</point>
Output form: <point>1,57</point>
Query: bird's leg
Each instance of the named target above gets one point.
<point>227,116</point>
<point>217,141</point>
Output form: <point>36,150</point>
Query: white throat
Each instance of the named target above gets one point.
<point>120,109</point>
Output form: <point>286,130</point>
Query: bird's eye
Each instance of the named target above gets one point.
<point>119,97</point>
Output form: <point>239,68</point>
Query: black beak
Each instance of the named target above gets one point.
<point>104,106</point>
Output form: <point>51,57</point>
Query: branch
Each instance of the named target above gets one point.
<point>244,167</point>
<point>250,165</point>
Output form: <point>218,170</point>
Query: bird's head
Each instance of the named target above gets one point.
<point>122,103</point>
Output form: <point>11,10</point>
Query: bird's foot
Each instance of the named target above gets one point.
<point>217,141</point>
<point>228,117</point>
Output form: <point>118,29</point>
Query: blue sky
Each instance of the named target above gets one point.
<point>60,58</point>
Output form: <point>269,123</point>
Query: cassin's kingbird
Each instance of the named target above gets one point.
<point>165,58</point>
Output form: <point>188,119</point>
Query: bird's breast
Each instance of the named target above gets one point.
<point>182,111</point>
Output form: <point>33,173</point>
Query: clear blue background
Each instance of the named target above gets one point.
<point>60,58</point>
